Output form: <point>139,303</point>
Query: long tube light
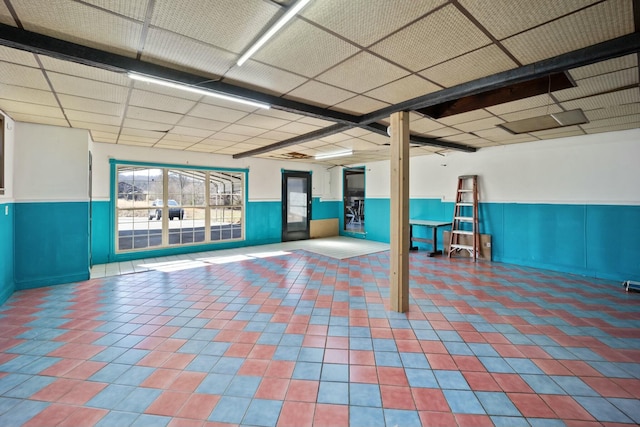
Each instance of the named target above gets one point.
<point>193,89</point>
<point>334,154</point>
<point>274,29</point>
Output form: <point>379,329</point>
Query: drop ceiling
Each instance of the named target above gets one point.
<point>332,74</point>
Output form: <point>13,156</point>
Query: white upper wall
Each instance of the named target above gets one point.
<point>9,144</point>
<point>265,176</point>
<point>51,163</point>
<point>591,169</point>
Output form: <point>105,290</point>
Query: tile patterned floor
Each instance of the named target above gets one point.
<point>304,339</point>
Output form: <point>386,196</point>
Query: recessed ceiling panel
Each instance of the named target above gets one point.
<point>94,126</point>
<point>263,78</point>
<point>504,18</point>
<point>189,131</point>
<point>366,21</point>
<point>362,72</point>
<point>244,130</point>
<point>604,21</point>
<point>224,136</point>
<point>403,89</point>
<point>533,112</point>
<point>320,49</point>
<point>262,122</point>
<point>316,93</point>
<point>185,54</point>
<point>446,32</point>
<point>227,24</point>
<point>146,125</point>
<point>82,24</point>
<point>474,65</point>
<point>298,128</point>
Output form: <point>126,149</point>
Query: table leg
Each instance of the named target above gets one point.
<point>411,247</point>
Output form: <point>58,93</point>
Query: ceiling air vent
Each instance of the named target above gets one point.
<point>548,121</point>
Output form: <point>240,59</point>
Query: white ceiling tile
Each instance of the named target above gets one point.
<point>277,135</point>
<point>69,85</point>
<point>143,98</point>
<point>600,84</point>
<point>360,105</point>
<point>23,94</point>
<point>136,9</point>
<point>615,111</point>
<point>633,119</point>
<point>224,136</point>
<point>366,21</point>
<point>465,117</point>
<point>244,130</point>
<point>447,32</point>
<point>91,105</point>
<point>362,72</point>
<point>100,127</point>
<point>30,109</point>
<point>186,54</point>
<point>19,75</point>
<point>521,104</point>
<point>533,112</point>
<point>147,125</point>
<point>84,71</point>
<point>613,128</point>
<point>504,18</point>
<point>320,94</point>
<point>5,15</point>
<point>425,125</point>
<point>142,133</point>
<point>479,124</point>
<point>605,21</point>
<point>264,78</point>
<point>189,131</point>
<point>181,138</point>
<point>621,97</point>
<point>316,122</point>
<point>150,115</point>
<point>444,132</point>
<point>222,23</point>
<point>604,67</point>
<point>320,49</point>
<point>262,122</point>
<point>199,123</point>
<point>34,118</point>
<point>298,128</point>
<point>471,66</point>
<point>403,89</point>
<point>17,56</point>
<point>82,24</point>
<point>213,112</point>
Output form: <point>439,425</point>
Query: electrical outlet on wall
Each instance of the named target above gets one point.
<point>6,210</point>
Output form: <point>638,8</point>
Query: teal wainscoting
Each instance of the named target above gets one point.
<point>324,210</point>
<point>51,243</point>
<point>100,232</point>
<point>600,241</point>
<point>7,285</point>
<point>264,223</point>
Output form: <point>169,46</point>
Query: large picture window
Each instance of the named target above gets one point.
<point>1,155</point>
<point>160,207</point>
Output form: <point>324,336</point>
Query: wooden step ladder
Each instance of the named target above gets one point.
<point>465,217</point>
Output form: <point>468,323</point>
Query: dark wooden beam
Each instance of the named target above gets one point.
<point>539,86</point>
<point>421,140</point>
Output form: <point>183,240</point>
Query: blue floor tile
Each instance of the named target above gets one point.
<point>307,371</point>
<point>523,366</point>
<point>243,386</point>
<point>22,412</point>
<point>630,407</point>
<point>398,417</point>
<point>451,380</point>
<point>496,403</point>
<point>138,400</point>
<point>365,395</point>
<point>334,372</point>
<point>333,392</point>
<point>117,418</point>
<point>366,417</point>
<point>230,409</point>
<point>146,420</point>
<point>602,410</point>
<point>542,384</point>
<point>263,413</point>
<point>110,396</point>
<point>30,386</point>
<point>463,402</point>
<point>414,360</point>
<point>214,384</point>
<point>421,378</point>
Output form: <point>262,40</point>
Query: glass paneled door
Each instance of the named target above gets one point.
<point>296,205</point>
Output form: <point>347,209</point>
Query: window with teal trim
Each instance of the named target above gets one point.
<point>1,155</point>
<point>165,207</point>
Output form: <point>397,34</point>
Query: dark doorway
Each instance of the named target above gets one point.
<point>296,205</point>
<point>353,197</point>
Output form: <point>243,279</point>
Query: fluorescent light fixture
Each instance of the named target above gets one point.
<point>334,154</point>
<point>274,29</point>
<point>194,89</point>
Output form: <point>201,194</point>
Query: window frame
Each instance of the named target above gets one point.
<point>2,156</point>
<point>207,206</point>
